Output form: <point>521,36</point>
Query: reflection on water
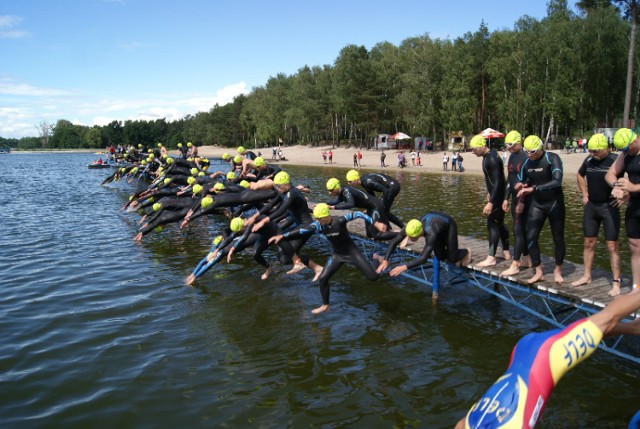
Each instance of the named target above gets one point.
<point>99,331</point>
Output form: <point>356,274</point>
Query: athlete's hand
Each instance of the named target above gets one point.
<point>259,225</point>
<point>518,186</point>
<point>488,208</point>
<point>380,226</point>
<point>384,264</point>
<point>519,207</point>
<point>505,206</point>
<point>398,270</point>
<point>275,239</point>
<point>230,255</point>
<point>585,199</point>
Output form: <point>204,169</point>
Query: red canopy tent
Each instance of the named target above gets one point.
<point>490,133</point>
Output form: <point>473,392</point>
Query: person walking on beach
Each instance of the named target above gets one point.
<point>495,183</point>
<point>599,208</point>
<point>628,188</point>
<point>538,362</point>
<point>517,158</point>
<point>541,179</point>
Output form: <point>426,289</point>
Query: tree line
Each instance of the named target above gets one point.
<point>560,76</point>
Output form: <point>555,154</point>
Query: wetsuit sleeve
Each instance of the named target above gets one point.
<point>303,230</point>
<point>556,174</point>
<point>227,240</point>
<point>283,208</point>
<point>370,186</point>
<point>496,174</point>
<point>358,215</point>
<point>346,202</point>
<point>270,205</point>
<point>238,241</point>
<point>426,253</point>
<point>394,243</point>
<point>583,168</point>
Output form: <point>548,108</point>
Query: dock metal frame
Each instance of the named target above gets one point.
<point>544,303</point>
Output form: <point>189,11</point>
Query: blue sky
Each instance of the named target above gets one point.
<point>94,61</point>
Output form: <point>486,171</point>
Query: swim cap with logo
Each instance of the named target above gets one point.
<point>282,178</point>
<point>532,142</point>
<point>477,141</point>
<point>258,162</point>
<point>513,137</point>
<point>598,142</point>
<point>413,228</point>
<point>236,224</point>
<point>352,175</point>
<point>333,184</point>
<point>320,210</point>
<point>206,202</point>
<point>241,149</point>
<point>623,138</point>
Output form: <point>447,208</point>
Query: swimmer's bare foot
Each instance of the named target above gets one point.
<point>634,289</point>
<point>615,288</point>
<point>525,262</point>
<point>266,274</point>
<point>297,267</point>
<point>320,309</point>
<point>189,280</point>
<point>489,262</point>
<point>317,269</point>
<point>557,275</point>
<point>506,255</point>
<point>512,270</point>
<point>584,280</point>
<point>138,238</point>
<point>466,259</point>
<point>537,277</point>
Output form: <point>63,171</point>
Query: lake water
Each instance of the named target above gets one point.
<point>98,331</point>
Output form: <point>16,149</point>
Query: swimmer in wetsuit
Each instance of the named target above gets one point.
<point>599,208</point>
<point>377,182</point>
<point>494,180</point>
<point>538,362</point>
<point>541,180</point>
<point>440,232</point>
<point>334,228</point>
<point>517,157</point>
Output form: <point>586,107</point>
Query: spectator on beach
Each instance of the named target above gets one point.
<point>413,158</point>
<point>274,154</point>
<point>460,159</point>
<point>599,209</point>
<point>454,161</point>
<point>382,158</point>
<point>355,160</point>
<point>324,157</point>
<point>445,162</point>
<point>359,159</point>
<point>628,189</point>
<point>330,156</point>
<point>418,160</point>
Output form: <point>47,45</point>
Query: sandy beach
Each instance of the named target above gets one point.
<point>343,157</point>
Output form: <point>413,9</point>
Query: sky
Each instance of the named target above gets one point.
<point>94,61</point>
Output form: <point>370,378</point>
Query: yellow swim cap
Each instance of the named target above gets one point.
<point>333,184</point>
<point>513,137</point>
<point>179,144</point>
<point>217,240</point>
<point>352,175</point>
<point>231,175</point>
<point>167,181</point>
<point>194,171</point>
<point>201,173</point>
<point>598,142</point>
<point>282,178</point>
<point>477,141</point>
<point>134,170</point>
<point>244,183</point>
<point>197,188</point>
<point>218,187</point>
<point>191,180</point>
<point>532,142</point>
<point>169,160</point>
<point>206,202</point>
<point>258,162</point>
<point>236,224</point>
<point>413,228</point>
<point>241,149</point>
<point>226,156</point>
<point>320,210</point>
<point>623,138</point>
<point>156,207</point>
<point>189,144</point>
<point>237,159</point>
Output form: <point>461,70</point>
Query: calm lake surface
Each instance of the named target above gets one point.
<point>98,331</point>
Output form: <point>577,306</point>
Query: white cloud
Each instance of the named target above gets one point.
<point>133,46</point>
<point>8,87</point>
<point>9,21</point>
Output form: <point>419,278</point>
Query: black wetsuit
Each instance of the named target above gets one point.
<point>260,241</point>
<point>233,199</point>
<point>173,209</point>
<point>495,182</point>
<point>598,209</point>
<point>547,202</point>
<point>440,232</point>
<point>350,198</point>
<point>268,173</point>
<point>514,165</point>
<point>388,186</point>
<point>344,249</point>
<point>632,214</point>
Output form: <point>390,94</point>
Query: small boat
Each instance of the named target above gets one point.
<point>97,164</point>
